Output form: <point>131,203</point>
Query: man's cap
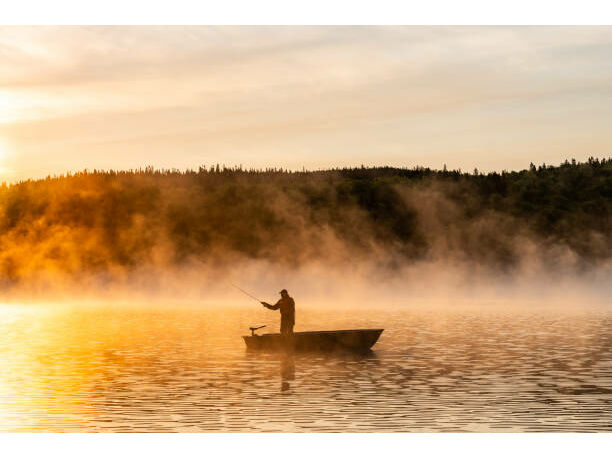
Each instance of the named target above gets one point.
<point>283,291</point>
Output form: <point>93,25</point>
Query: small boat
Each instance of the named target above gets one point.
<point>333,340</point>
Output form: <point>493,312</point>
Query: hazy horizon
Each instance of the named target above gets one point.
<point>74,98</point>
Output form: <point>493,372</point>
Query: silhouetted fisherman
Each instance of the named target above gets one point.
<point>287,311</point>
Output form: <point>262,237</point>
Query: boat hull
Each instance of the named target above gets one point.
<point>336,340</point>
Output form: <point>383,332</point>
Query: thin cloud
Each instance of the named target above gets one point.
<point>317,96</point>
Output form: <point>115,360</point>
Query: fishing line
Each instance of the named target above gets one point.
<point>245,292</point>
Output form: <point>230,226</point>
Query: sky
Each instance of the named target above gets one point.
<point>492,98</point>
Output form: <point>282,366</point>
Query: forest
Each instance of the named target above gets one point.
<point>112,222</point>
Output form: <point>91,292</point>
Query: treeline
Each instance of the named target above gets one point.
<point>111,222</point>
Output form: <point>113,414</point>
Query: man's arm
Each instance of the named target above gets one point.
<point>274,307</point>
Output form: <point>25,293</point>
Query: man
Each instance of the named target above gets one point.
<point>287,311</point>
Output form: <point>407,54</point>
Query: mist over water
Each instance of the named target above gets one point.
<point>184,233</point>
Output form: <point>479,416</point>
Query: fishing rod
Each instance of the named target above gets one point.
<point>245,292</point>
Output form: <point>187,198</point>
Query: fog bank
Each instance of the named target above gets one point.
<point>350,236</point>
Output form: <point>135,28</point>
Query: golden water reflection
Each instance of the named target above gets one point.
<point>143,368</point>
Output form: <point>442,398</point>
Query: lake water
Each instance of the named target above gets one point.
<point>186,369</point>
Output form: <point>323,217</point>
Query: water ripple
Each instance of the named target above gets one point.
<point>185,369</point>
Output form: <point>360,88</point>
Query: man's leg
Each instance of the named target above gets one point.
<point>286,328</point>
